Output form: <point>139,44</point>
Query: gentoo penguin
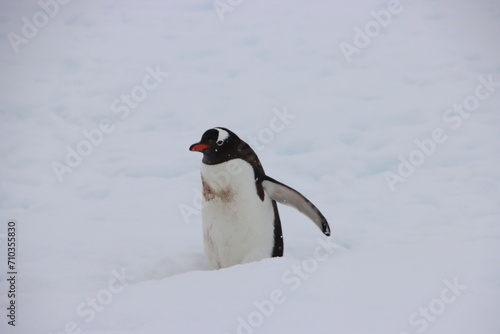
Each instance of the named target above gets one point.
<point>240,216</point>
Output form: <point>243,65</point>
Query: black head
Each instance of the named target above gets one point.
<point>220,145</point>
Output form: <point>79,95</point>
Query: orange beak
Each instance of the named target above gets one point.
<point>198,147</point>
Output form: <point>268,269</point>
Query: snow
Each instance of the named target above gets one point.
<point>397,143</point>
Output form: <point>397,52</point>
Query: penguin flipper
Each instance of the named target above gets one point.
<point>283,194</point>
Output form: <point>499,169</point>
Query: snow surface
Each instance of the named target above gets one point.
<point>274,73</point>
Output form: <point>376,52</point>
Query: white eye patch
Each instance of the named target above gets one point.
<point>223,134</point>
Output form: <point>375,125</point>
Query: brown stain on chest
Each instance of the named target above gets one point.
<point>209,193</point>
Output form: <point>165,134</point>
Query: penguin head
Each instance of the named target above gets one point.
<point>220,145</point>
<point>217,145</point>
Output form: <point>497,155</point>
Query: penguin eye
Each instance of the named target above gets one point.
<point>220,142</point>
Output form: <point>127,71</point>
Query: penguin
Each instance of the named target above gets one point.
<point>240,217</point>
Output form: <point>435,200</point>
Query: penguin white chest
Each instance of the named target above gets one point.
<point>238,227</point>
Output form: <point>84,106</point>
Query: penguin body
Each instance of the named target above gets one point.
<point>240,216</point>
<point>238,227</point>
